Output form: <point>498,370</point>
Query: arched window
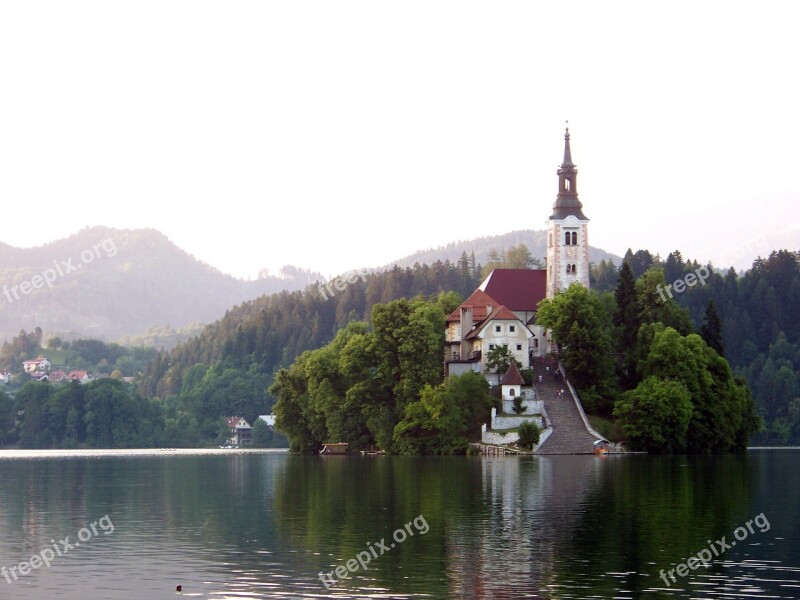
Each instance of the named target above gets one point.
<point>569,269</point>
<point>567,185</point>
<point>574,238</point>
<point>566,238</point>
<point>573,269</point>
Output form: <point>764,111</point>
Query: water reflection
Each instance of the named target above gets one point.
<point>256,525</point>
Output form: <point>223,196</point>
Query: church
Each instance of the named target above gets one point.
<point>502,311</point>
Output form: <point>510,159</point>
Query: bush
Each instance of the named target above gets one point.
<point>528,435</point>
<point>518,408</point>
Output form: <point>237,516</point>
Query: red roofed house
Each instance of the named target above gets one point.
<point>38,365</point>
<point>57,376</point>
<point>481,324</point>
<point>79,376</point>
<point>240,431</point>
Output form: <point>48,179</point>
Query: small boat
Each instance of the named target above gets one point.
<point>331,448</point>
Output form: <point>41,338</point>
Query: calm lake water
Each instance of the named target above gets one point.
<point>232,524</point>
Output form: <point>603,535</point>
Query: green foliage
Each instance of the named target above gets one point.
<point>627,321</point>
<point>359,386</point>
<point>441,420</point>
<point>265,437</point>
<point>528,435</point>
<point>604,276</point>
<point>518,406</point>
<point>105,413</point>
<point>655,416</point>
<point>581,326</point>
<point>498,360</point>
<point>711,331</point>
<point>656,306</point>
<point>723,416</point>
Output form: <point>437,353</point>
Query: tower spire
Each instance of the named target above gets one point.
<point>567,202</point>
<point>567,151</point>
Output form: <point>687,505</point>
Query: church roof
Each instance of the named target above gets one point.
<point>517,289</point>
<point>513,376</point>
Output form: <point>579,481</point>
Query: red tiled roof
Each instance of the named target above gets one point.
<point>518,289</point>
<point>76,375</point>
<point>479,302</point>
<point>501,313</point>
<point>512,376</point>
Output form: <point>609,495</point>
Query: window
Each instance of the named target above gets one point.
<point>512,392</point>
<point>519,347</point>
<point>567,185</point>
<point>498,328</point>
<point>512,328</point>
<point>574,238</point>
<point>536,343</point>
<point>491,346</point>
<point>568,269</point>
<point>566,238</point>
<point>573,269</point>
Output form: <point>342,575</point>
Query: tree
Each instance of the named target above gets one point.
<point>655,416</point>
<point>518,257</point>
<point>528,435</point>
<point>627,321</point>
<point>498,360</point>
<point>723,417</point>
<point>441,420</point>
<point>262,435</point>
<point>582,328</point>
<point>519,408</point>
<point>711,331</point>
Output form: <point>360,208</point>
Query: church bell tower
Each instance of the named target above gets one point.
<point>567,231</point>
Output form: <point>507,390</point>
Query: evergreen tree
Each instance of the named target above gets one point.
<point>711,331</point>
<point>627,321</point>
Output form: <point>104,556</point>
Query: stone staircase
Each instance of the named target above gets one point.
<point>569,435</point>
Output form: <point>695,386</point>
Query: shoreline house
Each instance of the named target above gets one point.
<point>502,311</point>
<point>239,430</point>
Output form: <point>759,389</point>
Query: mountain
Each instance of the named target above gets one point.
<point>109,283</point>
<point>535,240</point>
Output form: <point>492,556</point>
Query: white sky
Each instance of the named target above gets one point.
<point>334,135</point>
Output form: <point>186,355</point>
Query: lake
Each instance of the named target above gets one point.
<point>251,524</point>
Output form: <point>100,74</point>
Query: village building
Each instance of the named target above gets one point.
<point>40,364</point>
<point>239,430</point>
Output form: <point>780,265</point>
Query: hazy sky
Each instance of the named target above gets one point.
<point>334,135</point>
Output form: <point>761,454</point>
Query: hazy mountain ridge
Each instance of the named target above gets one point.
<point>109,283</point>
<point>535,240</point>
